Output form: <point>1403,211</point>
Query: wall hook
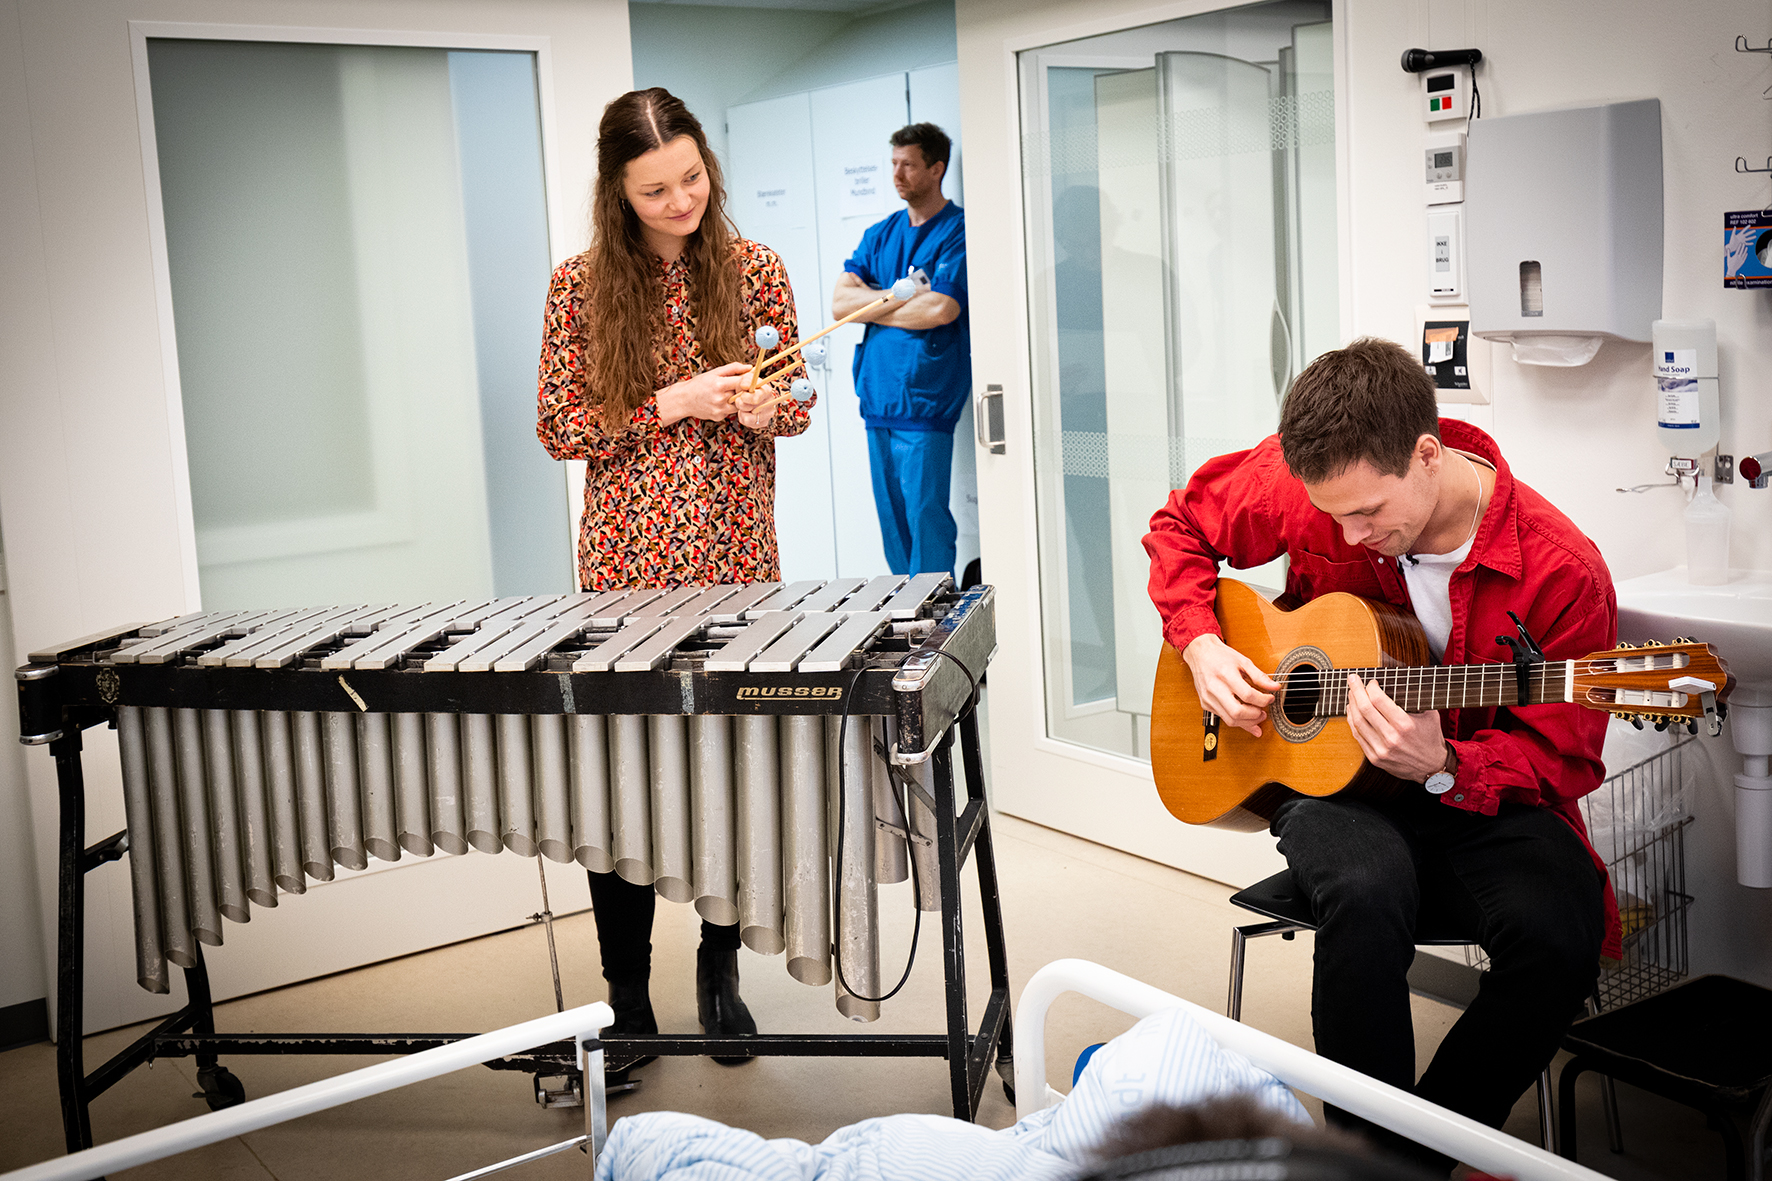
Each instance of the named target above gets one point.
<point>1741,165</point>
<point>1741,46</point>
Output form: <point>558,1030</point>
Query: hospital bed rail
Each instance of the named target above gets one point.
<point>1426,1123</point>
<point>579,1025</point>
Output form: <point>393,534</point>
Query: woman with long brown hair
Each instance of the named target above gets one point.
<point>644,375</point>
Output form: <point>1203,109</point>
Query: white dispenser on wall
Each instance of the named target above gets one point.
<point>1563,228</point>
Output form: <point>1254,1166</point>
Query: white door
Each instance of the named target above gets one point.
<point>1132,302</point>
<point>336,429</point>
<point>935,98</point>
<point>810,173</point>
<point>851,126</point>
<point>770,195</point>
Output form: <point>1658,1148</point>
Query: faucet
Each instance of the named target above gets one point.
<point>1756,469</point>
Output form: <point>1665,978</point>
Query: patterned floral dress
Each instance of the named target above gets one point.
<point>688,504</point>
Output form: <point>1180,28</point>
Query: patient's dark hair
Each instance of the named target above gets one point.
<point>1200,1140</point>
<point>1232,1117</point>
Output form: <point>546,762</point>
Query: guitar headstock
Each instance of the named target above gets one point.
<point>1655,682</point>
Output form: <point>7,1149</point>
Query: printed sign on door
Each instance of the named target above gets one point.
<point>863,188</point>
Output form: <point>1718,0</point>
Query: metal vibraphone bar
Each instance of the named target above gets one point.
<point>702,740</point>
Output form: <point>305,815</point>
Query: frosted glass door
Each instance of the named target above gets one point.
<point>357,247</point>
<point>1181,270</point>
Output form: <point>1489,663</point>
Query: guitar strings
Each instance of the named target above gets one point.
<point>1409,680</point>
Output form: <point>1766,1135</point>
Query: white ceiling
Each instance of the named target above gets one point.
<point>851,6</point>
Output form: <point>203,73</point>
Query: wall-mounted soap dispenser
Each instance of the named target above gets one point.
<point>1563,223</point>
<point>1684,355</point>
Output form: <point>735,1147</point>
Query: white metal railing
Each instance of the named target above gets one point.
<point>580,1025</point>
<point>1425,1123</point>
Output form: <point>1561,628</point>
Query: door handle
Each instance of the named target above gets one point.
<point>987,419</point>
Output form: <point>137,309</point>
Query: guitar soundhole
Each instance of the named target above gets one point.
<point>1294,711</point>
<point>1303,690</point>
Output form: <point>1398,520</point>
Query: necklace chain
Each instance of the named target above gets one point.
<point>1477,516</point>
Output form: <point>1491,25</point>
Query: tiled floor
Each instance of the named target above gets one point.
<point>1062,897</point>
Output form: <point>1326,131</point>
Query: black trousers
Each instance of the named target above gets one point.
<point>623,912</point>
<point>1520,881</point>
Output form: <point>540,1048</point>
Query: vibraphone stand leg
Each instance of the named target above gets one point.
<point>969,1058</point>
<point>79,1089</point>
<point>990,899</point>
<point>220,1087</point>
<point>70,941</point>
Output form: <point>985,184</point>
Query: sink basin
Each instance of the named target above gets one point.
<point>1734,617</point>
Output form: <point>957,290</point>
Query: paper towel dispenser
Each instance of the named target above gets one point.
<point>1563,228</point>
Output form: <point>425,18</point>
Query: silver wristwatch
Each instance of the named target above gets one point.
<point>1441,781</point>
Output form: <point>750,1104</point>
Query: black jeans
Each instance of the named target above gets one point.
<point>1520,881</point>
<point>624,928</point>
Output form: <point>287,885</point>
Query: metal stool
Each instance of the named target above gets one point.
<point>1706,1044</point>
<point>1290,912</point>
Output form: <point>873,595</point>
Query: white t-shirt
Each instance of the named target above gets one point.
<point>1429,579</point>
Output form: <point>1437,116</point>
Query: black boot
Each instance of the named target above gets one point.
<point>722,1010</point>
<point>633,1015</point>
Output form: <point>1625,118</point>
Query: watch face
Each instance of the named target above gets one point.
<point>1440,782</point>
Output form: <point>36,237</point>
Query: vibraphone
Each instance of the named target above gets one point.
<point>768,752</point>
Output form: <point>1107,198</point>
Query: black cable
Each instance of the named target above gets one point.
<point>904,821</point>
<point>1476,107</point>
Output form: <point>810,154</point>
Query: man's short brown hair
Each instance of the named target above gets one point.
<point>1370,401</point>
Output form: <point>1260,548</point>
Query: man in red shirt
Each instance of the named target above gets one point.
<point>1366,490</point>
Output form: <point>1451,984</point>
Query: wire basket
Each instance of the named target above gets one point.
<point>1637,822</point>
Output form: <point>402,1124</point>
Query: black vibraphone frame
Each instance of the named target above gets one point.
<point>64,692</point>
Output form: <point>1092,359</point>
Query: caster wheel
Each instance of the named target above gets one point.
<point>220,1088</point>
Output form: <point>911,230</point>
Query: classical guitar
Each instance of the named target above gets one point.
<point>1219,775</point>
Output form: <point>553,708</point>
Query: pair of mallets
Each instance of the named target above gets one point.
<point>768,337</point>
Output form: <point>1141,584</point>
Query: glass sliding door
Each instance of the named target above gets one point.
<point>358,257</point>
<point>1179,184</point>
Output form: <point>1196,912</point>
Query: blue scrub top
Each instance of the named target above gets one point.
<point>915,380</point>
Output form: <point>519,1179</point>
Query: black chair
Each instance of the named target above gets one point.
<point>1289,912</point>
<point>1706,1044</point>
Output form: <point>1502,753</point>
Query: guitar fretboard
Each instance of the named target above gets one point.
<point>1458,686</point>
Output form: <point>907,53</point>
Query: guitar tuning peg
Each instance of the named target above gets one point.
<point>1684,640</point>
<point>1637,722</point>
<point>1692,726</point>
<point>1622,644</point>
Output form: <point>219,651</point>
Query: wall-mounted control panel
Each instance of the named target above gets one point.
<point>1445,93</point>
<point>1445,253</point>
<point>1445,167</point>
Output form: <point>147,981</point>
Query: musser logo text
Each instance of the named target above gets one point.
<point>825,691</point>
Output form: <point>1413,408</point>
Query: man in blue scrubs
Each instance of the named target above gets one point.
<point>913,368</point>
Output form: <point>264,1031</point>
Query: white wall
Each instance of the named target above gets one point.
<point>1573,434</point>
<point>713,56</point>
<point>882,43</point>
<point>84,404</point>
<point>22,976</point>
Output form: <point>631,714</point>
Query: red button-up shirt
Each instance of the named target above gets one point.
<point>1247,509</point>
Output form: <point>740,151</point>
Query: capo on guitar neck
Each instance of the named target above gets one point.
<point>1526,654</point>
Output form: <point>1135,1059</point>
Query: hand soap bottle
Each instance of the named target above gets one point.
<point>1707,537</point>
